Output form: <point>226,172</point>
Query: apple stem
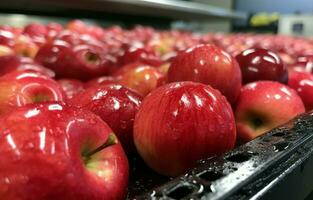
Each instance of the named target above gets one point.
<point>110,141</point>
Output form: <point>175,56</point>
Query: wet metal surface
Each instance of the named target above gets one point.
<point>278,165</point>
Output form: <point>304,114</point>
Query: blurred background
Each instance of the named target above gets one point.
<point>288,17</point>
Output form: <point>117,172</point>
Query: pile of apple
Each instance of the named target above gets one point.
<point>76,100</point>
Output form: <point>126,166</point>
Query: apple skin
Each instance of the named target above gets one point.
<point>25,46</point>
<point>100,80</point>
<point>302,82</point>
<point>180,123</point>
<point>77,26</point>
<point>82,62</point>
<point>142,55</point>
<point>79,61</point>
<point>49,53</point>
<point>304,60</point>
<point>35,30</point>
<point>19,88</point>
<point>11,63</point>
<point>5,51</point>
<point>50,152</point>
<point>261,64</point>
<point>208,64</point>
<point>71,86</point>
<point>7,38</point>
<point>264,105</point>
<point>54,28</point>
<point>302,64</point>
<point>96,31</point>
<point>140,77</point>
<point>116,105</point>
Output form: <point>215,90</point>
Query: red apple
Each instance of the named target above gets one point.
<point>28,64</point>
<point>100,80</point>
<point>116,105</point>
<point>71,86</point>
<point>77,26</point>
<point>49,53</point>
<point>52,151</point>
<point>96,31</point>
<point>13,62</point>
<point>24,46</point>
<point>208,64</point>
<point>35,30</point>
<point>82,62</point>
<point>54,27</point>
<point>70,37</point>
<point>135,54</point>
<point>7,38</point>
<point>5,51</point>
<point>19,88</point>
<point>302,64</point>
<point>302,82</point>
<point>304,60</point>
<point>261,64</point>
<point>262,106</point>
<point>180,123</point>
<point>139,77</point>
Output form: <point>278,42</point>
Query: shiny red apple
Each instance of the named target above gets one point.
<point>210,65</point>
<point>11,63</point>
<point>5,51</point>
<point>302,82</point>
<point>35,30</point>
<point>19,88</point>
<point>77,26</point>
<point>25,46</point>
<point>261,64</point>
<point>262,106</point>
<point>71,86</point>
<point>139,77</point>
<point>100,80</point>
<point>116,105</point>
<point>135,54</point>
<point>302,64</point>
<point>49,53</point>
<point>180,123</point>
<point>52,151</point>
<point>82,62</point>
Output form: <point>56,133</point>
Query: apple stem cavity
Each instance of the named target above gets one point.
<point>110,141</point>
<point>256,122</point>
<point>40,98</point>
<point>92,58</point>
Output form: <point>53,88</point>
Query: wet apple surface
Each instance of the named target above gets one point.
<point>262,105</point>
<point>116,105</point>
<point>68,153</point>
<point>78,101</point>
<point>302,82</point>
<point>20,88</point>
<point>180,123</point>
<point>139,77</point>
<point>261,64</point>
<point>208,64</point>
